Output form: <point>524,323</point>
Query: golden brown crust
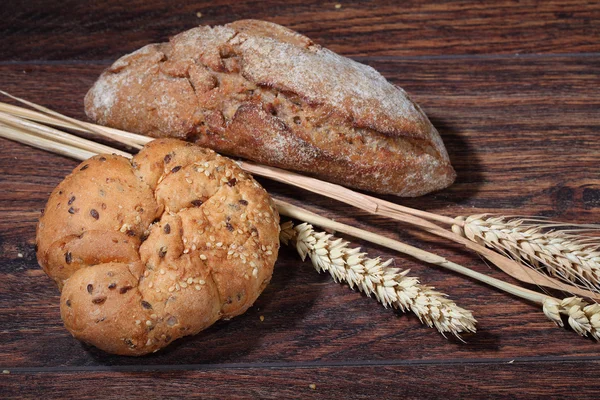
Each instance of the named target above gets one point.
<point>259,90</point>
<point>157,248</point>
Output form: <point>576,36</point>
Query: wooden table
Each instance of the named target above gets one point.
<point>514,89</point>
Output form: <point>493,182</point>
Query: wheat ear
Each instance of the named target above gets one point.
<point>583,317</point>
<point>571,258</point>
<point>389,285</point>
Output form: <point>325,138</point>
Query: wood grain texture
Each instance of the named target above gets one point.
<point>42,30</point>
<point>522,132</point>
<point>410,381</point>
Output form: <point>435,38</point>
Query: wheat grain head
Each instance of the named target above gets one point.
<point>574,259</point>
<point>389,285</point>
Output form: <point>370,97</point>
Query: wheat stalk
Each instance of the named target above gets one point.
<point>583,317</point>
<point>371,204</point>
<point>389,285</point>
<point>571,258</point>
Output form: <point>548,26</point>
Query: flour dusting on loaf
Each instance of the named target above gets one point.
<point>257,90</point>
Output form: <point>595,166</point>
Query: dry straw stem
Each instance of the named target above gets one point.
<point>399,213</point>
<point>56,135</point>
<point>371,204</point>
<point>389,285</point>
<point>583,317</point>
<point>91,128</point>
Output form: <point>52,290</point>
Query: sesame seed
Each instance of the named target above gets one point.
<point>183,285</point>
<point>137,322</point>
<point>150,285</point>
<point>206,173</point>
<point>202,281</point>
<point>5,371</point>
<point>194,247</point>
<point>177,287</point>
<point>312,385</point>
<point>146,273</point>
<point>149,323</point>
<point>171,289</point>
<point>219,244</point>
<point>268,252</point>
<point>252,264</point>
<point>212,238</point>
<point>255,272</point>
<point>262,318</point>
<point>203,257</point>
<point>229,252</point>
<point>20,255</point>
<point>185,251</point>
<point>157,290</point>
<point>188,180</point>
<point>198,287</point>
<point>153,316</point>
<point>190,281</point>
<point>162,271</point>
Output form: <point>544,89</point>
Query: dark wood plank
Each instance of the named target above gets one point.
<point>461,380</point>
<point>522,133</point>
<point>107,29</point>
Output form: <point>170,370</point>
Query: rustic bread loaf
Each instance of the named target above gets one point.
<point>257,90</point>
<point>161,247</point>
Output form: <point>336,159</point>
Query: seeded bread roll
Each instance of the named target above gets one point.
<point>257,90</point>
<point>161,247</point>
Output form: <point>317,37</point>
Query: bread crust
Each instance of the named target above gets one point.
<point>257,90</point>
<point>161,247</point>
